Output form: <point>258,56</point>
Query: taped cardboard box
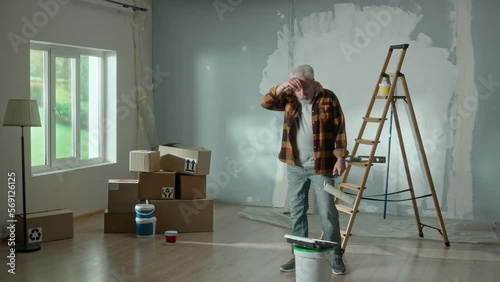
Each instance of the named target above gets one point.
<point>188,160</point>
<point>119,222</point>
<point>184,215</point>
<point>191,186</point>
<point>158,185</point>
<point>144,161</point>
<point>122,195</point>
<point>45,226</point>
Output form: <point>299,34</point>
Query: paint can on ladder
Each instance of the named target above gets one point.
<point>312,265</point>
<point>384,87</point>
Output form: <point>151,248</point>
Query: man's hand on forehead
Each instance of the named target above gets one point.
<point>298,83</point>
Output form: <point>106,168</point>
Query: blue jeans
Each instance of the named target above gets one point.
<point>299,181</point>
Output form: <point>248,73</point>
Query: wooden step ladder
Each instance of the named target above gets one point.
<point>367,162</point>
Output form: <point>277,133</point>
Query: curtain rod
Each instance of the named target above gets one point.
<point>134,8</point>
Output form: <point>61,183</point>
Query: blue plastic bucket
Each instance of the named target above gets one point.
<point>144,210</point>
<point>145,227</point>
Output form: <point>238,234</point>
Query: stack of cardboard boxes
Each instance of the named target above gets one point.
<point>119,217</point>
<point>173,179</point>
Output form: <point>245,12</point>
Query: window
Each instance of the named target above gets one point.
<point>69,85</point>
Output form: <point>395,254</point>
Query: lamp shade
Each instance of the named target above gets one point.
<point>21,112</point>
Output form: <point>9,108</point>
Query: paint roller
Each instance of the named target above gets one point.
<point>337,192</point>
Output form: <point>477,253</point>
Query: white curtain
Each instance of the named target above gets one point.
<point>144,76</point>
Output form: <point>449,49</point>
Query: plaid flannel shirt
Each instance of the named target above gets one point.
<point>329,136</point>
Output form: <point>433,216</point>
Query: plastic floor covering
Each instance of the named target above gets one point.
<point>393,226</point>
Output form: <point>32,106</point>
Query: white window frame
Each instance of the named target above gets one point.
<point>52,163</point>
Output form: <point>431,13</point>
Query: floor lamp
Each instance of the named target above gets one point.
<point>23,113</point>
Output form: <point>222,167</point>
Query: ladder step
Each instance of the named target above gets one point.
<point>381,97</point>
<point>364,159</point>
<point>373,119</point>
<point>350,186</point>
<point>344,209</point>
<point>365,141</point>
<point>359,164</point>
<point>379,159</point>
<point>343,233</point>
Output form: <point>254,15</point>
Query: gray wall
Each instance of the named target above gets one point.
<point>221,64</point>
<point>211,97</point>
<point>485,153</point>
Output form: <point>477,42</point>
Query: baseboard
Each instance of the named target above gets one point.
<point>89,214</point>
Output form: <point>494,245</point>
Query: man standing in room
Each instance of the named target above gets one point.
<point>314,148</point>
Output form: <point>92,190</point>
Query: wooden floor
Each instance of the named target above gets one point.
<point>241,250</point>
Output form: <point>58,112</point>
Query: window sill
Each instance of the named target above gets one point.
<point>69,169</point>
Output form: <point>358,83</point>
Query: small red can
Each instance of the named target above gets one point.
<point>170,237</point>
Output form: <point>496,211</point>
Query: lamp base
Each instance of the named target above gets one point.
<point>28,248</point>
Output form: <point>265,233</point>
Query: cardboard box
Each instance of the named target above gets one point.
<point>122,195</point>
<point>158,185</point>
<point>144,161</point>
<point>191,187</point>
<point>185,159</point>
<point>45,226</point>
<point>119,222</point>
<point>184,215</point>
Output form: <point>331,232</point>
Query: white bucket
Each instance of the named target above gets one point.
<point>312,265</point>
<point>145,227</point>
<point>144,210</point>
